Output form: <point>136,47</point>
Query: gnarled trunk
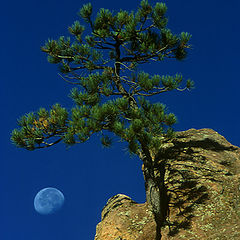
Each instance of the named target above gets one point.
<point>156,191</point>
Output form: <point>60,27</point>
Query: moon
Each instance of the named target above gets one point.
<point>48,201</point>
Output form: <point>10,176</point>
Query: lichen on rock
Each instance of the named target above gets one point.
<point>202,179</point>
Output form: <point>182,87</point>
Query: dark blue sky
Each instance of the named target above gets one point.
<point>87,174</point>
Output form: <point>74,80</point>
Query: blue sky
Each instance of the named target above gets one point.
<point>87,174</point>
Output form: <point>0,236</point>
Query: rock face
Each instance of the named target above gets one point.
<point>122,218</point>
<point>203,180</point>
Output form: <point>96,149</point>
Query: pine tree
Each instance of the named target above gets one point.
<point>111,92</point>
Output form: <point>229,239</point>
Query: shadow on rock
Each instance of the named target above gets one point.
<point>189,177</point>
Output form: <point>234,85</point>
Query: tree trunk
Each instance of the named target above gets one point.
<point>156,192</point>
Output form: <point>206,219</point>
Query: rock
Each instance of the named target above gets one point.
<point>203,180</point>
<point>124,219</point>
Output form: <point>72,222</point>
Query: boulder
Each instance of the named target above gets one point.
<point>203,180</point>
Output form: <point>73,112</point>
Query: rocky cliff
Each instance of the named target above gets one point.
<point>203,179</point>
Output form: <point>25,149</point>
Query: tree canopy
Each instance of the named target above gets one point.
<point>104,60</point>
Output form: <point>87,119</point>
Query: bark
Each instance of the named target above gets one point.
<point>156,191</point>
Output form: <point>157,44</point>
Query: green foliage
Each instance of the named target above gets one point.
<point>143,81</point>
<point>122,18</point>
<point>35,127</point>
<point>189,84</point>
<point>158,15</point>
<point>144,10</point>
<point>106,141</point>
<point>86,12</point>
<point>77,30</point>
<point>110,92</point>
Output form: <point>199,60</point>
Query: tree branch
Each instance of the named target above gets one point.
<point>149,94</point>
<point>77,83</point>
<point>49,144</point>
